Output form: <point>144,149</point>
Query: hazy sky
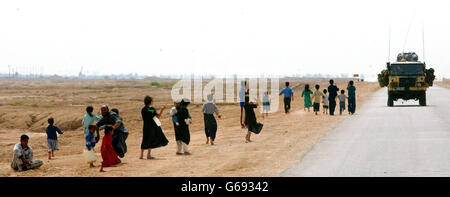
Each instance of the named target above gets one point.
<point>219,37</point>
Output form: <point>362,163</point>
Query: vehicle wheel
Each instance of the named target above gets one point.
<point>390,101</point>
<point>423,99</point>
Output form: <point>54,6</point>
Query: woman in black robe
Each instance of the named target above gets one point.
<point>250,117</point>
<point>182,134</point>
<point>153,136</point>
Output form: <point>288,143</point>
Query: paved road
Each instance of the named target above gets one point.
<point>404,140</point>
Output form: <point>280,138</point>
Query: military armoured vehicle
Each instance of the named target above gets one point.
<point>406,79</point>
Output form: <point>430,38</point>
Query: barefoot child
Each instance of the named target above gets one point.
<point>266,103</point>
<point>52,138</point>
<point>23,156</point>
<point>90,144</point>
<point>209,108</point>
<point>306,94</point>
<point>317,96</point>
<point>342,98</point>
<point>250,116</point>
<point>325,101</point>
<point>109,156</point>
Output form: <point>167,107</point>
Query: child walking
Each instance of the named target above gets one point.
<point>89,119</point>
<point>325,101</point>
<point>306,94</point>
<point>351,97</point>
<point>176,123</point>
<point>52,138</point>
<point>109,156</point>
<point>242,93</point>
<point>250,116</point>
<point>342,98</point>
<point>288,97</point>
<point>209,108</point>
<point>182,134</point>
<point>317,96</point>
<point>90,144</point>
<point>266,103</point>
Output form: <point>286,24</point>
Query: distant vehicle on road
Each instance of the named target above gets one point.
<point>406,79</point>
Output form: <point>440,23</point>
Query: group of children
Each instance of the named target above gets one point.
<point>318,95</point>
<point>107,151</point>
<point>322,97</point>
<point>314,99</point>
<point>109,156</point>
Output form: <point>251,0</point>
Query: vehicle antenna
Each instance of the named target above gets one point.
<point>389,48</point>
<point>407,32</point>
<point>423,41</point>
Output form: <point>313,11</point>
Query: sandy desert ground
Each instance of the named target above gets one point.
<point>25,106</point>
<point>444,83</point>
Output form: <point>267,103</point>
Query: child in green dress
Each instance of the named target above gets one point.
<point>306,94</point>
